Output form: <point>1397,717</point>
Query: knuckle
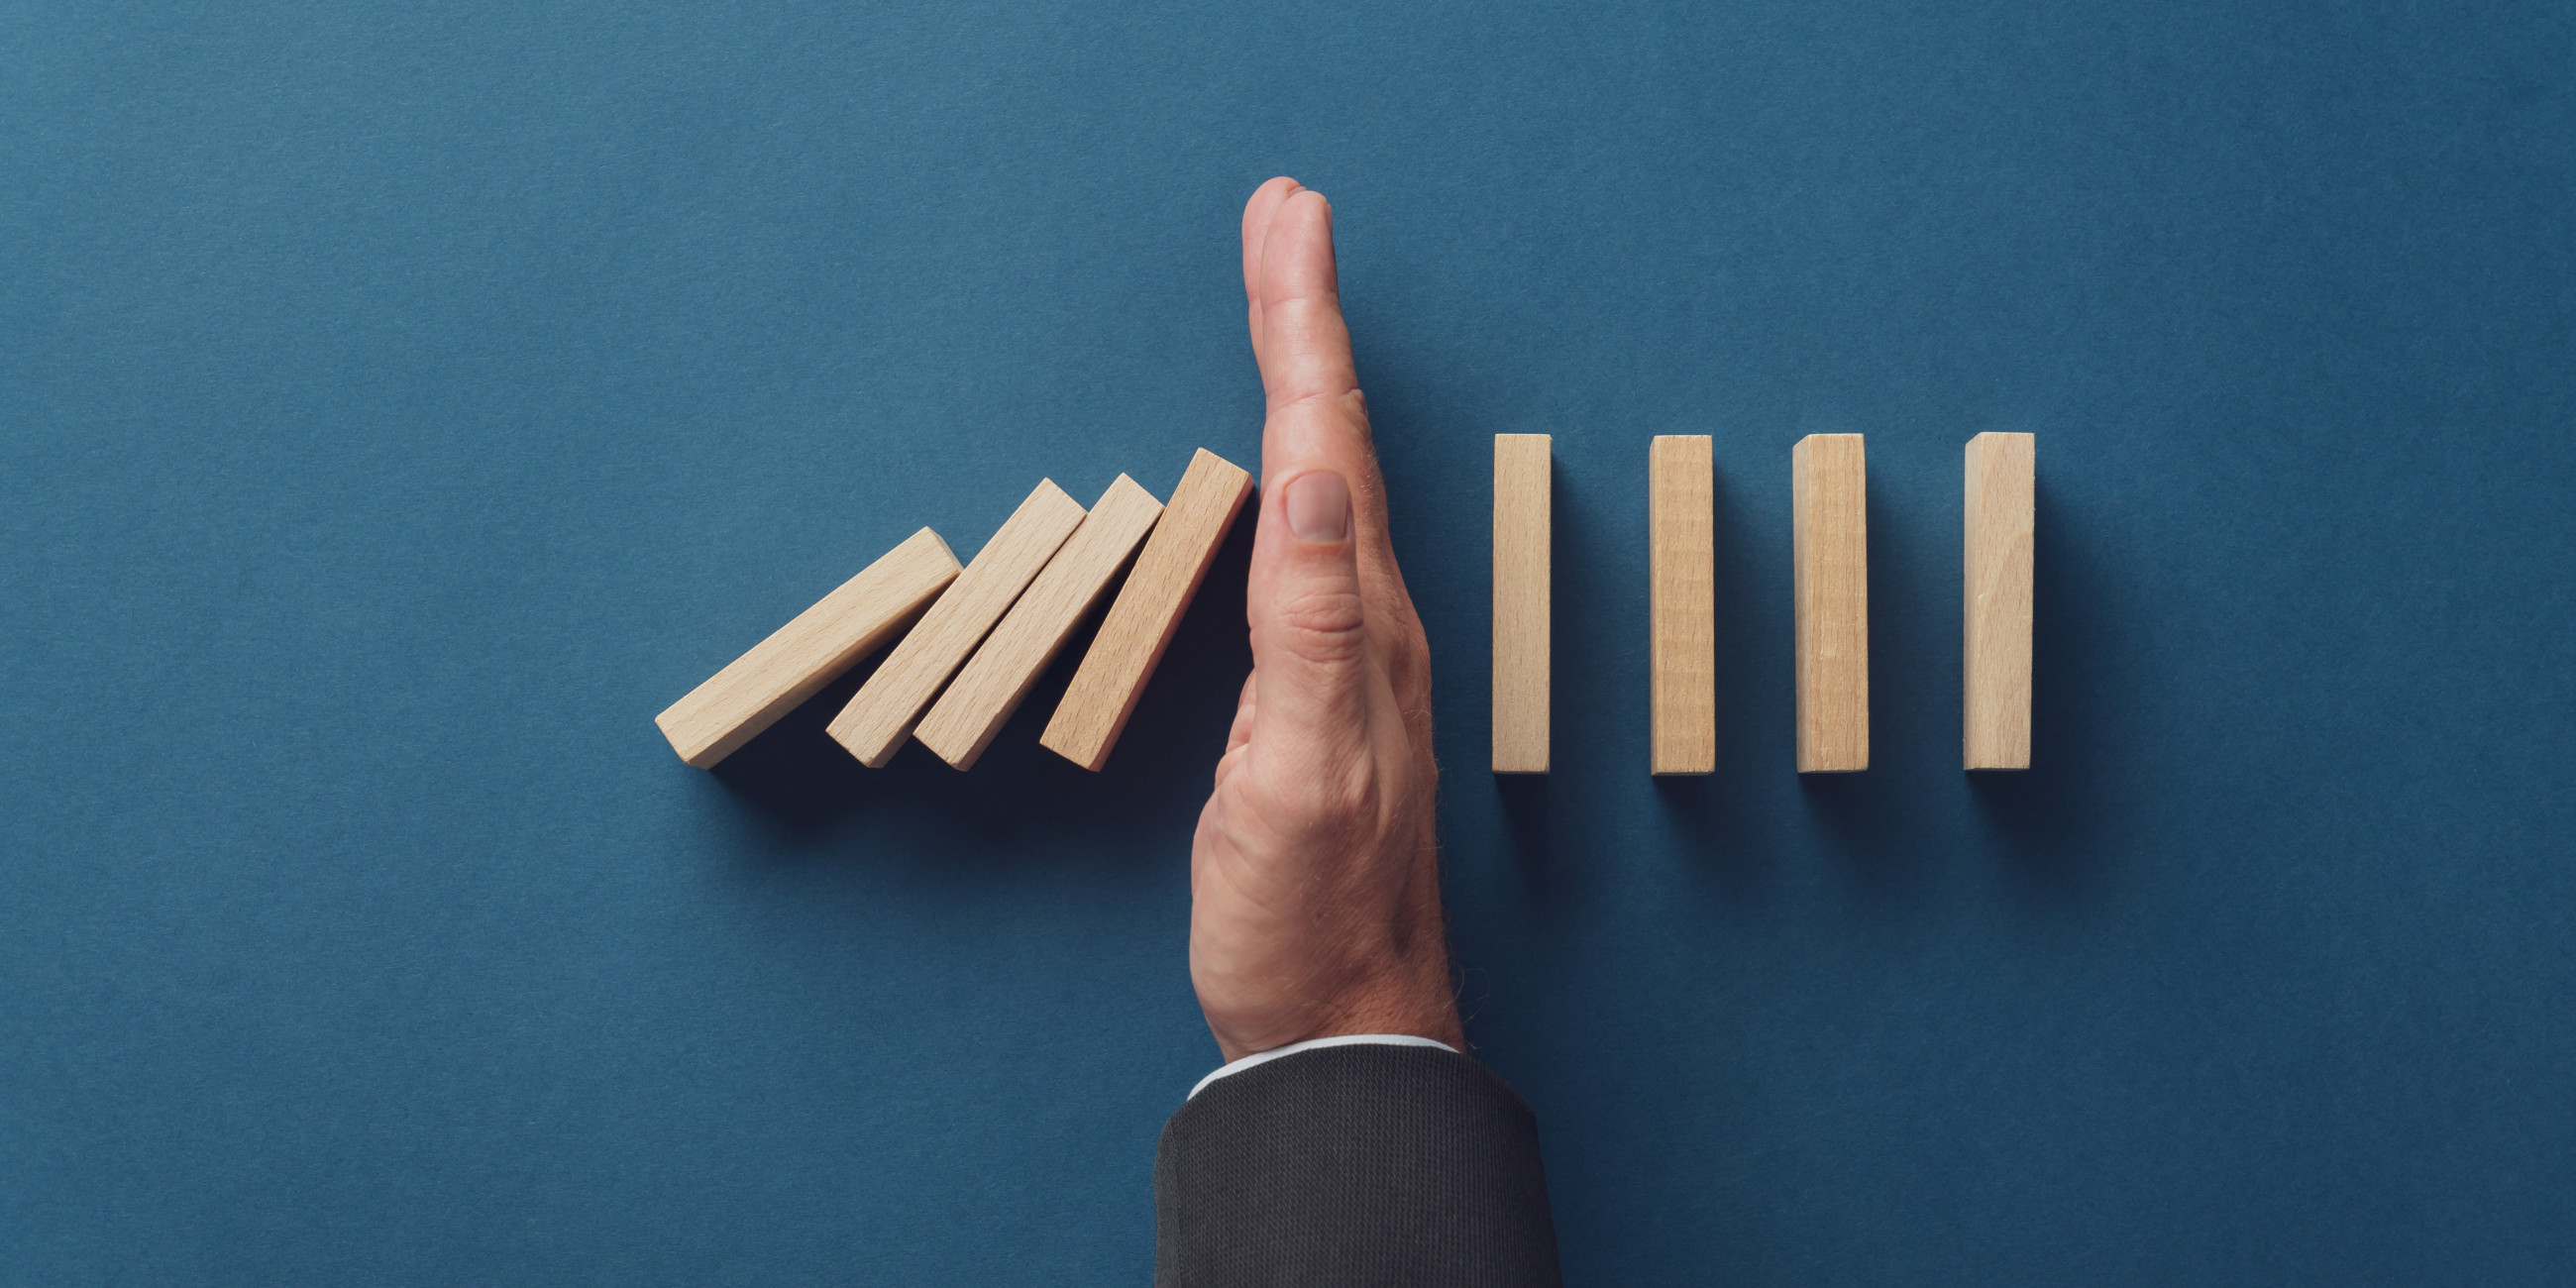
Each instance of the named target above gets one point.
<point>1324,797</point>
<point>1340,805</point>
<point>1408,667</point>
<point>1343,401</point>
<point>1327,621</point>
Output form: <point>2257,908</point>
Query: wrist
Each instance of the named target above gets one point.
<point>1414,1002</point>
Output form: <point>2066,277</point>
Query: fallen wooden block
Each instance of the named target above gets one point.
<point>1681,556</point>
<point>1830,485</point>
<point>876,721</point>
<point>983,696</point>
<point>798,659</point>
<point>1523,473</point>
<point>2002,496</point>
<point>1148,609</point>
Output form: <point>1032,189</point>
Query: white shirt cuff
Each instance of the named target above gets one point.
<point>1347,1039</point>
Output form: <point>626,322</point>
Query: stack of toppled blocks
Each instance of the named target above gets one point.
<point>980,636</point>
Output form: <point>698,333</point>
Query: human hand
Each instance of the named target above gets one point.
<point>1315,874</point>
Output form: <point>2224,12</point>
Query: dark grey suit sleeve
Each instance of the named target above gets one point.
<point>1362,1164</point>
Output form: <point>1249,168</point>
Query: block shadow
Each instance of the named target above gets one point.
<point>1867,815</point>
<point>2047,820</point>
<point>1526,828</point>
<point>1585,639</point>
<point>1525,800</point>
<point>1716,814</point>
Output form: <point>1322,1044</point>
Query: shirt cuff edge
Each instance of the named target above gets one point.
<point>1311,1044</point>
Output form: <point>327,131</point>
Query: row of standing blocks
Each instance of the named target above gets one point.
<point>1829,486</point>
<point>975,639</point>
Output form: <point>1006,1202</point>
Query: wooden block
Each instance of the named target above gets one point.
<point>1148,609</point>
<point>875,722</point>
<point>1523,473</point>
<point>2002,497</point>
<point>1681,556</point>
<point>798,659</point>
<point>962,723</point>
<point>1831,522</point>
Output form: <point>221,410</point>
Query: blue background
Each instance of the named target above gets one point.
<point>400,404</point>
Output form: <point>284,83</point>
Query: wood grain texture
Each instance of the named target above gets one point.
<point>877,719</point>
<point>1148,609</point>
<point>983,696</point>
<point>2002,509</point>
<point>1681,557</point>
<point>1523,474</point>
<point>1829,482</point>
<point>798,659</point>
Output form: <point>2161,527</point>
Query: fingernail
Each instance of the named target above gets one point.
<point>1319,506</point>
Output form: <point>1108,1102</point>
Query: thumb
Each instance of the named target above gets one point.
<point>1309,627</point>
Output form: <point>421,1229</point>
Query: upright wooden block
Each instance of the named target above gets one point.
<point>1830,483</point>
<point>1681,558</point>
<point>798,659</point>
<point>1148,609</point>
<point>875,722</point>
<point>1523,468</point>
<point>962,723</point>
<point>2002,496</point>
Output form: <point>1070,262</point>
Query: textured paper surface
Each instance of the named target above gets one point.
<point>400,404</point>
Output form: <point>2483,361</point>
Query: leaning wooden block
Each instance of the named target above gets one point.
<point>1148,609</point>
<point>876,721</point>
<point>1523,469</point>
<point>2002,496</point>
<point>798,659</point>
<point>962,723</point>
<point>1681,561</point>
<point>1831,537</point>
